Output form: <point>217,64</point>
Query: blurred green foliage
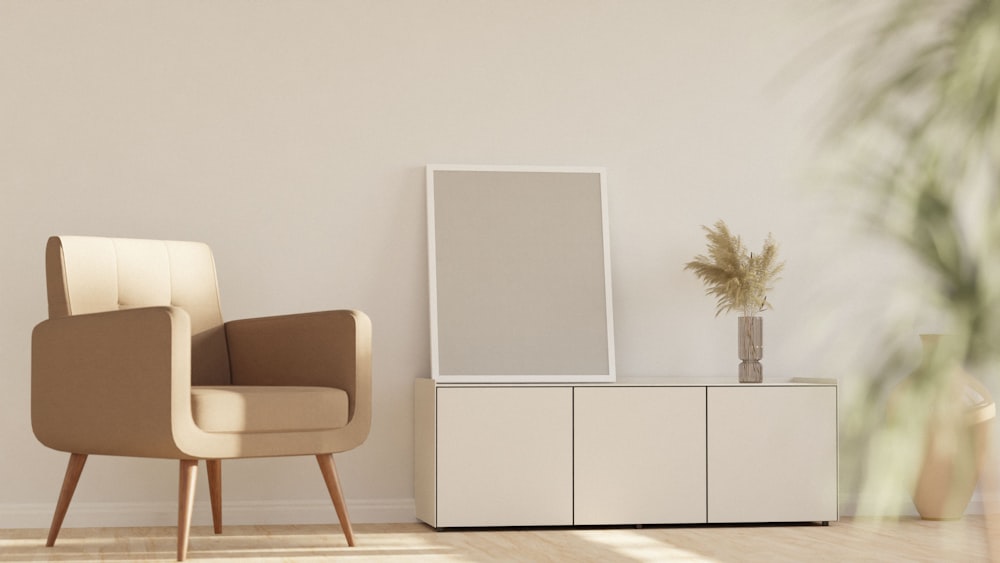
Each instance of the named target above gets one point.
<point>921,149</point>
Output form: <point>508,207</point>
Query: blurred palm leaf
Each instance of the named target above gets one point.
<point>920,124</point>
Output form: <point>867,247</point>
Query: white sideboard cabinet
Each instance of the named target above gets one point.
<point>503,456</point>
<point>624,475</point>
<point>640,451</point>
<point>772,454</point>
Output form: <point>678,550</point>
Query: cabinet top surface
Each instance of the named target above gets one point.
<point>659,382</point>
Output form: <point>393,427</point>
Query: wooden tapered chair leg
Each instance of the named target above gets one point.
<point>329,470</point>
<point>185,500</point>
<point>73,471</point>
<point>215,492</point>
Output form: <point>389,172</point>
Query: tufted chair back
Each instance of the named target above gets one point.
<point>91,275</point>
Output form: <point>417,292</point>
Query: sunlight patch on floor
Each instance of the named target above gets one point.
<point>634,545</point>
<point>301,544</point>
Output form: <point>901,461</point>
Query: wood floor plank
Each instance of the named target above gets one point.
<point>908,540</point>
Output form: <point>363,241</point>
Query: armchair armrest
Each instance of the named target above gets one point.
<point>325,349</point>
<point>109,383</point>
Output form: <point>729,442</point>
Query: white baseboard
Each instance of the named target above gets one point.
<point>362,511</point>
<point>118,514</point>
<point>849,506</point>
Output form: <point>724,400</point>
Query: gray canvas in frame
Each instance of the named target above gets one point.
<point>520,277</point>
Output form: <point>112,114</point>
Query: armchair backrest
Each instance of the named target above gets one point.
<point>95,274</point>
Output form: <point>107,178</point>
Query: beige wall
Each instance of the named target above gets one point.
<point>292,135</point>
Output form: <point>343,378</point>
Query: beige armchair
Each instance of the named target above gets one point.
<point>135,360</point>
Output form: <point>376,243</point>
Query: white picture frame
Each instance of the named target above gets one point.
<point>520,274</point>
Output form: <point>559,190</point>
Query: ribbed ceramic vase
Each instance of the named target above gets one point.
<point>751,349</point>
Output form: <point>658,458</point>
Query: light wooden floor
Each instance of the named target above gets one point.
<point>847,540</point>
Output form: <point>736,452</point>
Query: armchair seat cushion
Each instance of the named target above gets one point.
<point>260,408</point>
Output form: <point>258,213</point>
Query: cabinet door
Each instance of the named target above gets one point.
<point>504,456</point>
<point>640,455</point>
<point>772,454</point>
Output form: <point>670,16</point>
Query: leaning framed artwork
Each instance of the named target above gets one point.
<point>520,274</point>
